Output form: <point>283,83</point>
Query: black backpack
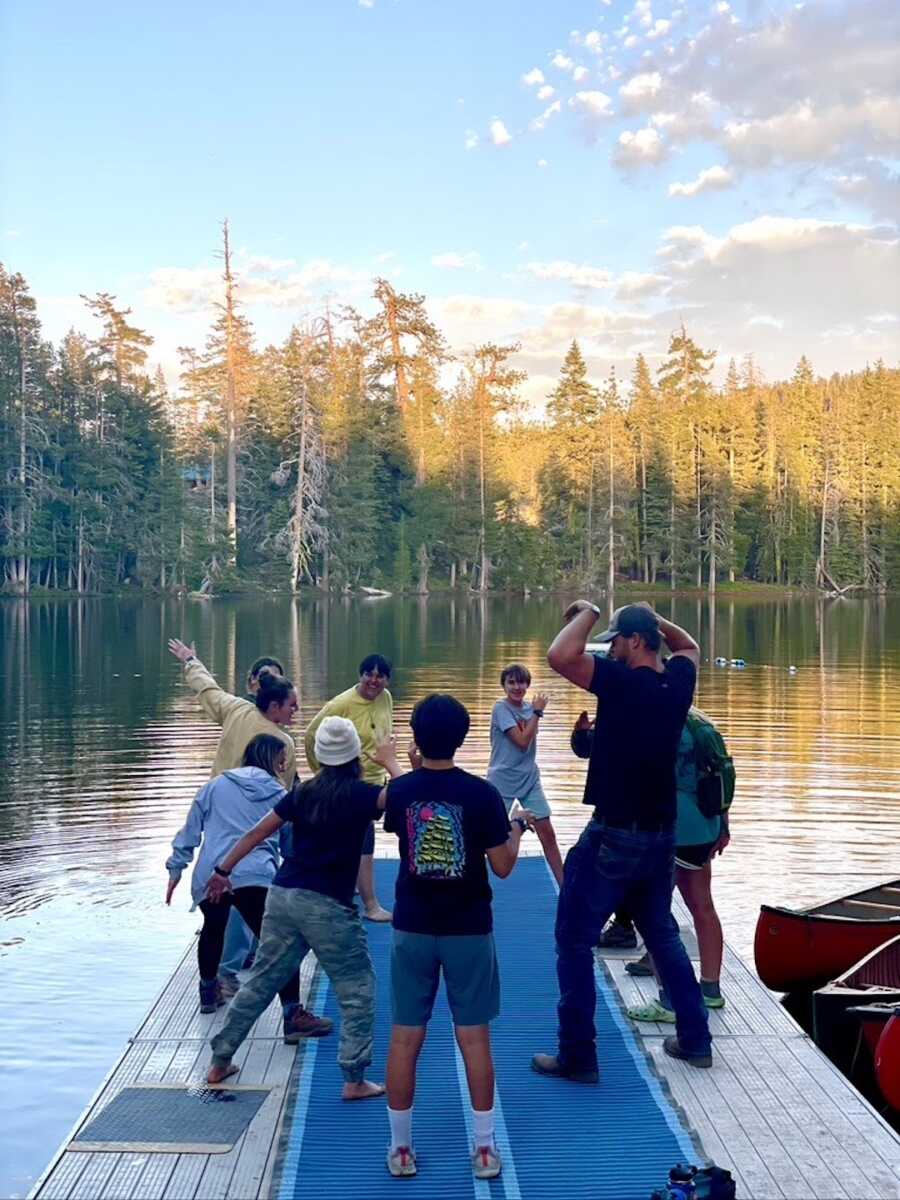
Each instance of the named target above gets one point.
<point>715,766</point>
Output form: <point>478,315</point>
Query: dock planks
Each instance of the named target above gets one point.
<point>773,1109</point>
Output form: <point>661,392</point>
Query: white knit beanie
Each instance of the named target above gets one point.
<point>337,742</point>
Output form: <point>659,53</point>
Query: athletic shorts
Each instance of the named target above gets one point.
<point>535,801</point>
<point>694,858</point>
<point>369,840</point>
<point>471,974</point>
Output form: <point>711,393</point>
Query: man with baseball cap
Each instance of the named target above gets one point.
<point>626,852</point>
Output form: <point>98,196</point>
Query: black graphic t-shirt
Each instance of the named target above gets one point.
<point>326,858</point>
<point>445,821</point>
<point>640,716</point>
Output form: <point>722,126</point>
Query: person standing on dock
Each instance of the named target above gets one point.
<point>446,821</point>
<point>241,720</point>
<point>627,850</point>
<point>513,768</point>
<point>310,903</point>
<point>370,706</point>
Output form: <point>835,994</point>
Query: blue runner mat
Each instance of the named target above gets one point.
<point>616,1141</point>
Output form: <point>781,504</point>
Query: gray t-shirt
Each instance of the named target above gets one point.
<point>512,771</point>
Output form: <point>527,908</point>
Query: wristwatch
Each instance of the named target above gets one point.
<point>219,871</point>
<point>538,712</point>
<point>522,823</point>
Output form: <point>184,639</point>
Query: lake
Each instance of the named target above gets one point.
<point>103,748</point>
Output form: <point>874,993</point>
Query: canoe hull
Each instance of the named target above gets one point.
<point>887,1063</point>
<point>798,951</point>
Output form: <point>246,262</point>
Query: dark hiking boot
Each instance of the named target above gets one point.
<point>617,937</point>
<point>302,1024</point>
<point>672,1047</point>
<point>211,996</point>
<point>640,967</point>
<point>549,1064</point>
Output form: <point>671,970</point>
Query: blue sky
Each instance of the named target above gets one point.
<point>539,170</point>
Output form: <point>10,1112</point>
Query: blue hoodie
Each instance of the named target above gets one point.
<point>223,811</point>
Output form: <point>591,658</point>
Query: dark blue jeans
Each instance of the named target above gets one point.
<point>606,868</point>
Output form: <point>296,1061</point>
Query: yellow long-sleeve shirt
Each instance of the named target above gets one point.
<point>374,720</point>
<point>241,721</point>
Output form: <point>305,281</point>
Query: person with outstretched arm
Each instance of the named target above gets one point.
<point>628,847</point>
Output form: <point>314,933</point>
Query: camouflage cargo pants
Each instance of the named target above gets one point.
<point>295,922</point>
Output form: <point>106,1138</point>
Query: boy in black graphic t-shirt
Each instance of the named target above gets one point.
<point>446,821</point>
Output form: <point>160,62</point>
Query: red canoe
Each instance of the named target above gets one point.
<point>805,948</point>
<point>887,1062</point>
<point>875,979</point>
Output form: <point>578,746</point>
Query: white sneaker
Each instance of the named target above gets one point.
<point>486,1162</point>
<point>401,1162</point>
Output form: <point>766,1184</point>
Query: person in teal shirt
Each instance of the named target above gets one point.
<point>697,840</point>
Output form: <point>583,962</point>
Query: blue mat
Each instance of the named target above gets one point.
<point>612,1142</point>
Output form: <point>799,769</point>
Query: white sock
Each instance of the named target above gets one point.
<point>401,1127</point>
<point>483,1128</point>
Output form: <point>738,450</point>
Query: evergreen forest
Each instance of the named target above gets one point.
<point>362,453</point>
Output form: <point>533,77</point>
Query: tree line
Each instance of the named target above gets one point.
<point>362,452</point>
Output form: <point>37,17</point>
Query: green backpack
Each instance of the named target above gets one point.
<point>715,766</point>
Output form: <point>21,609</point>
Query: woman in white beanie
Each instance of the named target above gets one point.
<point>310,903</point>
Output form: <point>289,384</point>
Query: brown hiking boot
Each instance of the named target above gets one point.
<point>302,1024</point>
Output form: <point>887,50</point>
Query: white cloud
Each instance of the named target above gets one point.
<point>641,90</point>
<point>593,41</point>
<point>542,162</point>
<point>596,105</point>
<point>578,275</point>
<point>638,147</point>
<point>366,3</point>
<point>546,92</point>
<point>712,179</point>
<point>533,77</point>
<point>808,133</point>
<point>551,111</point>
<point>562,61</point>
<point>660,29</point>
<point>472,139</point>
<point>631,41</point>
<point>453,261</point>
<point>260,281</point>
<point>500,135</point>
<point>580,73</point>
<point>634,285</point>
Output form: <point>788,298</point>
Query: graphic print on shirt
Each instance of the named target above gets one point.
<point>435,835</point>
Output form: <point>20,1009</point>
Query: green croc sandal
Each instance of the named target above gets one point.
<point>653,1011</point>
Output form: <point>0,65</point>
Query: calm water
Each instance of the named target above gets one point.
<point>103,748</point>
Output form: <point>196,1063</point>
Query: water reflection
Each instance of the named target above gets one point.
<point>103,748</point>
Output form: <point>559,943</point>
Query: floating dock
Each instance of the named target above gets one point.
<point>773,1109</point>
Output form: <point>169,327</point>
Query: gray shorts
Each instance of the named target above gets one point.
<point>469,964</point>
<point>534,800</point>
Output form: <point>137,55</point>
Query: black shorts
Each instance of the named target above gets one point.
<point>369,839</point>
<point>694,858</point>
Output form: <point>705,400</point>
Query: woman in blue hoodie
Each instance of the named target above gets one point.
<point>223,811</point>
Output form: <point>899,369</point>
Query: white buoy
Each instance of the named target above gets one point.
<point>721,662</point>
<point>738,662</point>
<point>792,670</point>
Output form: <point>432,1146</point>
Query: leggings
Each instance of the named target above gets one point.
<point>250,903</point>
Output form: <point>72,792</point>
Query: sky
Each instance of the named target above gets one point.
<point>596,169</point>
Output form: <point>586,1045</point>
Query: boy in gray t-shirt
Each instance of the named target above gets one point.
<point>513,768</point>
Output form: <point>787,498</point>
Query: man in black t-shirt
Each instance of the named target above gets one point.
<point>626,852</point>
<point>446,821</point>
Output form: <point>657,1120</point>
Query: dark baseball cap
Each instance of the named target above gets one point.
<point>629,620</point>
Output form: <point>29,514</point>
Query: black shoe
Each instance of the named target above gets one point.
<point>617,937</point>
<point>672,1047</point>
<point>640,967</point>
<point>548,1064</point>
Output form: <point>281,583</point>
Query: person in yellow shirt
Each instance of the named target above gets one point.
<point>370,706</point>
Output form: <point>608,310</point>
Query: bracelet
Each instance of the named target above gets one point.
<point>190,658</point>
<point>219,871</point>
<point>538,712</point>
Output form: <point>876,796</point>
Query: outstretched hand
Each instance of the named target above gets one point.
<point>181,651</point>
<point>385,753</point>
<point>216,887</point>
<point>539,702</point>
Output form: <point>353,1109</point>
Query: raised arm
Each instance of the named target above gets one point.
<point>214,700</point>
<point>567,655</point>
<point>523,735</point>
<point>309,739</point>
<point>503,858</point>
<point>385,755</point>
<point>678,640</point>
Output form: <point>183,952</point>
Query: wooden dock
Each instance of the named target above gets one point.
<point>773,1109</point>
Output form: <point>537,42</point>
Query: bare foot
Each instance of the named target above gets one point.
<point>220,1074</point>
<point>362,1091</point>
<point>378,914</point>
